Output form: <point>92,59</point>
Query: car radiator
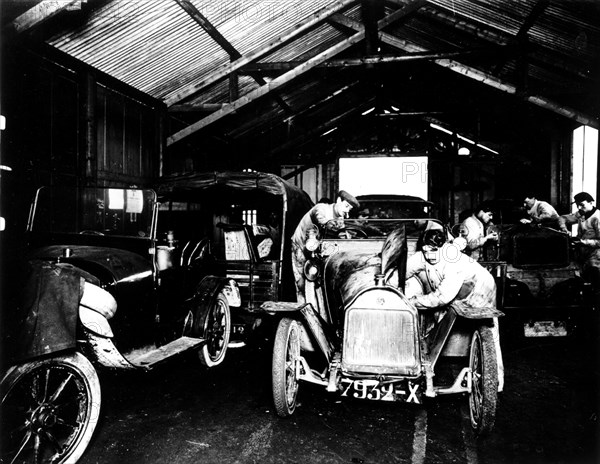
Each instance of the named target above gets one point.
<point>381,335</point>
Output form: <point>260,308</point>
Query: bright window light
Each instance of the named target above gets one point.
<point>585,161</point>
<point>385,175</point>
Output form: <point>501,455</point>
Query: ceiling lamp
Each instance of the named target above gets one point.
<point>464,151</point>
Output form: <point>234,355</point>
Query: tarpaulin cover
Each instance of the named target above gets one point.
<point>49,309</point>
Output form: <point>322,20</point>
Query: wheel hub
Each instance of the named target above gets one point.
<point>43,417</point>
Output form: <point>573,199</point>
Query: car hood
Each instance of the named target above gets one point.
<point>109,264</point>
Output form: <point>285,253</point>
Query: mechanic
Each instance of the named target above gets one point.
<point>318,216</point>
<point>475,230</point>
<point>587,253</point>
<point>539,212</point>
<point>451,278</point>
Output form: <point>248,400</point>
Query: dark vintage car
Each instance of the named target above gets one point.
<point>244,222</point>
<point>542,291</point>
<point>388,206</point>
<point>359,336</point>
<point>126,278</point>
<point>100,288</point>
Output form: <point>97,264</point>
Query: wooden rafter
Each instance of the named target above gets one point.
<point>292,74</point>
<point>234,54</point>
<point>41,12</point>
<point>486,78</point>
<point>224,70</point>
<point>265,89</point>
<point>378,59</point>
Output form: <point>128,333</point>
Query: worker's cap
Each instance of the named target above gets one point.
<point>583,196</point>
<point>349,198</point>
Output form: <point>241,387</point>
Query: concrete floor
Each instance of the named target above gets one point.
<point>183,413</point>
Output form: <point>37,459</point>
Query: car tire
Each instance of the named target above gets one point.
<point>483,397</point>
<point>217,330</point>
<point>50,409</point>
<point>286,352</point>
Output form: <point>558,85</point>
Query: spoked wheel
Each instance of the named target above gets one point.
<point>217,330</point>
<point>484,389</point>
<point>49,410</point>
<point>286,352</point>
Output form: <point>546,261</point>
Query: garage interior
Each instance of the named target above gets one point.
<point>123,93</point>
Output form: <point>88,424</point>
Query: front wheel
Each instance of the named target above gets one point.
<point>286,352</point>
<point>217,330</point>
<point>484,388</point>
<point>49,410</point>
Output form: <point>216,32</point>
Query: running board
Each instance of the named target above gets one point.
<point>154,357</point>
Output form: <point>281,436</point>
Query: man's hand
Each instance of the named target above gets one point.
<point>492,236</point>
<point>526,221</point>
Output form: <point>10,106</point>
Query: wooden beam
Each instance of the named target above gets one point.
<point>490,80</point>
<point>41,12</point>
<point>379,59</point>
<point>211,30</point>
<point>193,107</point>
<point>292,74</point>
<point>261,91</point>
<point>234,54</point>
<point>224,70</point>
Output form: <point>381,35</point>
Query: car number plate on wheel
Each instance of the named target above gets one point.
<point>370,389</point>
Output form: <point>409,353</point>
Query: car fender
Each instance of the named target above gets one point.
<point>95,322</point>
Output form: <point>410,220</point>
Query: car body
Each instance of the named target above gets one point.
<point>543,293</point>
<point>358,334</point>
<point>98,292</point>
<point>389,206</point>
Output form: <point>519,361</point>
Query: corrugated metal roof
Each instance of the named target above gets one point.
<point>158,48</point>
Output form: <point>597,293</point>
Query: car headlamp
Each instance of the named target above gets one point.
<point>311,271</point>
<point>312,243</point>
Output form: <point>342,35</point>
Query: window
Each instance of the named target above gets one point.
<point>385,175</point>
<point>249,217</point>
<point>585,161</point>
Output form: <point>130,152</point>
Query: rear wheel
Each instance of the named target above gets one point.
<point>217,330</point>
<point>286,352</point>
<point>484,389</point>
<point>49,410</point>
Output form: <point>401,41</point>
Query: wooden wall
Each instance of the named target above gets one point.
<point>69,124</point>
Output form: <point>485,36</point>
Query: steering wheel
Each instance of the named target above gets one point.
<point>91,232</point>
<point>351,232</point>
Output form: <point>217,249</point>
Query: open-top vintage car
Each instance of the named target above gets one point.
<point>358,334</point>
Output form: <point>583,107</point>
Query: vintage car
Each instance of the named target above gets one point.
<point>389,206</point>
<point>358,334</point>
<point>126,278</point>
<point>100,288</point>
<point>244,221</point>
<point>542,291</point>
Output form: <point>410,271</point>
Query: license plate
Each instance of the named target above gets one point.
<point>370,389</point>
<point>546,329</point>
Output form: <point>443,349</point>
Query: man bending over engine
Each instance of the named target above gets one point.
<point>451,278</point>
<point>319,216</point>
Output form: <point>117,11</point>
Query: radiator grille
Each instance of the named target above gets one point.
<point>381,341</point>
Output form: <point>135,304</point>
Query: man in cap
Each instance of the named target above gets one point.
<point>321,216</point>
<point>475,232</point>
<point>452,279</point>
<point>587,219</point>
